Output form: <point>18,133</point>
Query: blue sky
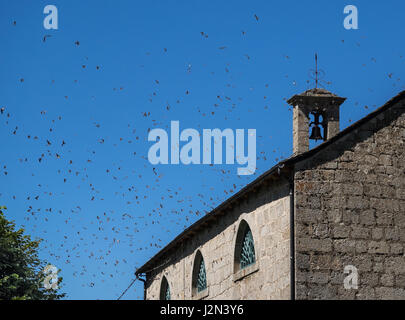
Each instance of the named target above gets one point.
<point>100,206</point>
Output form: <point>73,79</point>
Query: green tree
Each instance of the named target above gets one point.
<point>21,271</point>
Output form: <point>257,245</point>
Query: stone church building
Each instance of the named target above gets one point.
<point>326,223</point>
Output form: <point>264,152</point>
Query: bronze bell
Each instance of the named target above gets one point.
<point>316,133</point>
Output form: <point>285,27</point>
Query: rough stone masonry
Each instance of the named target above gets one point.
<point>350,210</point>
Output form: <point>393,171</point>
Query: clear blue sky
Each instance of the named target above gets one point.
<point>113,211</point>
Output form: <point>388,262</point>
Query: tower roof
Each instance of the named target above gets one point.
<point>318,92</point>
<point>314,95</point>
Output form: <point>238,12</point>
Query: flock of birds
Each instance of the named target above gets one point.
<point>80,236</point>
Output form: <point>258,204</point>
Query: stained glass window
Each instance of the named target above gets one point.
<point>167,293</point>
<point>201,277</point>
<point>165,290</point>
<point>247,255</point>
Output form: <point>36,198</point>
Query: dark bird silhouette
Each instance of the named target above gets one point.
<point>45,37</point>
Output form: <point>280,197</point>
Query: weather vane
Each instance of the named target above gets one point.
<point>317,74</point>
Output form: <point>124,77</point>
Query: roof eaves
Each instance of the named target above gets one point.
<point>275,169</point>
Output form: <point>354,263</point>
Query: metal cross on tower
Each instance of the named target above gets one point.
<point>316,71</point>
<point>317,74</point>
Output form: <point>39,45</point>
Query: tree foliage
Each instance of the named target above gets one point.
<point>21,270</point>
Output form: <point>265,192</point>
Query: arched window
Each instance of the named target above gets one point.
<point>247,255</point>
<point>199,274</point>
<point>164,290</point>
<point>245,248</point>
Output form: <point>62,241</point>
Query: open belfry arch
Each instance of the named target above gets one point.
<point>319,103</point>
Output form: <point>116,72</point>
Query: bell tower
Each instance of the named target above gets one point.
<point>324,107</point>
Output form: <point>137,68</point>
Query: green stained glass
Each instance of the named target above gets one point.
<point>201,277</point>
<point>165,290</point>
<point>247,255</point>
<point>167,293</point>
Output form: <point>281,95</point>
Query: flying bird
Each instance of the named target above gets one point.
<point>45,37</point>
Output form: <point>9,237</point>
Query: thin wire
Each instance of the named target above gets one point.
<point>137,277</point>
<point>159,266</point>
<point>122,294</point>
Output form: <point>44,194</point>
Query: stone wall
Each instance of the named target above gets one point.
<point>267,211</point>
<point>350,210</point>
